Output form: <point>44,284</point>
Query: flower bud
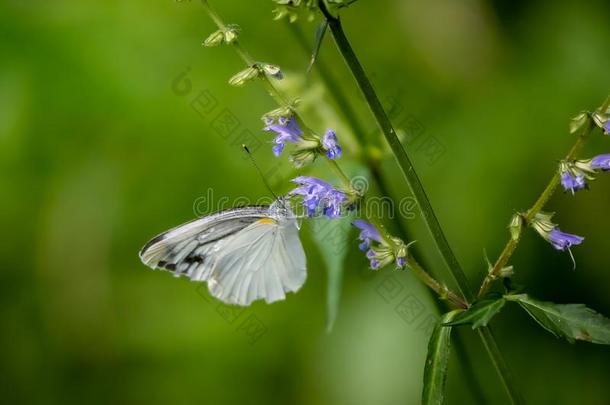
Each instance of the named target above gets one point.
<point>515,226</point>
<point>231,33</point>
<point>507,271</point>
<point>272,70</point>
<point>302,157</point>
<point>579,123</point>
<point>245,75</point>
<point>214,39</point>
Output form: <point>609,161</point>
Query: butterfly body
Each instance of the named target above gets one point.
<point>244,254</point>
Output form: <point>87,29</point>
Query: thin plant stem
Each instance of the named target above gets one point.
<point>538,206</point>
<point>500,365</point>
<point>341,100</point>
<point>400,153</point>
<point>425,277</point>
<point>416,186</point>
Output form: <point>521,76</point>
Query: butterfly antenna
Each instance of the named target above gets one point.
<point>260,172</point>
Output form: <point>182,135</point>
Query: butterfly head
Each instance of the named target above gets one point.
<point>280,209</point>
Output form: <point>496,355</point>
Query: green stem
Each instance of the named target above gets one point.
<point>402,158</point>
<point>538,206</point>
<point>498,361</point>
<point>434,285</point>
<point>415,184</point>
<point>341,100</point>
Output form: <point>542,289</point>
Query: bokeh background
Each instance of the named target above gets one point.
<point>99,151</point>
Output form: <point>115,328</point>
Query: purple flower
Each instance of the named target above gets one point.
<point>562,241</point>
<point>571,183</point>
<point>601,162</point>
<point>319,195</point>
<point>287,130</point>
<point>607,127</point>
<point>368,232</point>
<point>329,143</point>
<point>401,261</point>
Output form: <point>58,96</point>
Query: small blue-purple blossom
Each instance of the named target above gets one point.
<point>374,264</point>
<point>607,127</point>
<point>601,162</point>
<point>319,195</point>
<point>562,241</point>
<point>286,130</point>
<point>330,144</point>
<point>368,232</point>
<point>572,183</point>
<point>401,261</point>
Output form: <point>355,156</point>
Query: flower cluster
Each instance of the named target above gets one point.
<point>319,197</point>
<point>384,251</point>
<point>549,231</point>
<point>308,146</point>
<point>574,174</point>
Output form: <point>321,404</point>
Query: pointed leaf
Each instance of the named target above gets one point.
<point>320,32</point>
<point>479,313</point>
<point>435,372</point>
<point>569,321</point>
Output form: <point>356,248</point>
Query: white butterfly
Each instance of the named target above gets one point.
<point>244,254</point>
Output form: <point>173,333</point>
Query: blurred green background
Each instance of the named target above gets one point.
<point>99,152</point>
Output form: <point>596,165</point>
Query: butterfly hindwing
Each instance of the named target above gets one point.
<point>264,261</point>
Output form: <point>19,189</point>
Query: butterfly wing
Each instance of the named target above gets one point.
<point>192,249</point>
<point>263,261</point>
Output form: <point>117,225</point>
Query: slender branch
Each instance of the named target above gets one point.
<point>500,365</point>
<point>538,206</point>
<point>443,291</point>
<point>341,100</point>
<point>417,188</point>
<point>402,158</point>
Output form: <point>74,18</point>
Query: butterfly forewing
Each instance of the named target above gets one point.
<point>191,249</point>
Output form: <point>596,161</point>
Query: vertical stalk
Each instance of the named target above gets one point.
<point>402,158</point>
<point>500,365</point>
<point>416,186</point>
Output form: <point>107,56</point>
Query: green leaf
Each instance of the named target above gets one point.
<point>320,32</point>
<point>435,371</point>
<point>569,321</point>
<point>479,313</point>
<point>332,237</point>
